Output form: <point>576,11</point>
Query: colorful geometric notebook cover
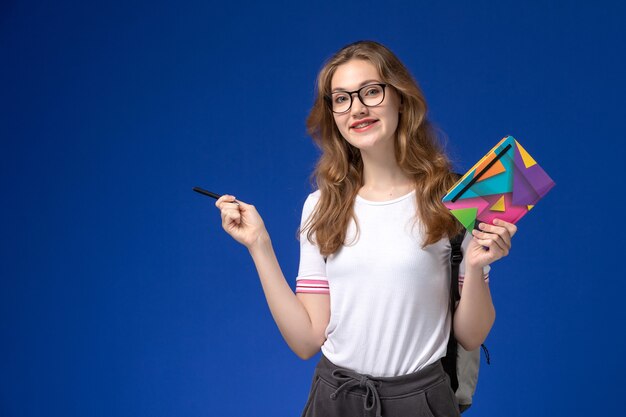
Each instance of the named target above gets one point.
<point>505,184</point>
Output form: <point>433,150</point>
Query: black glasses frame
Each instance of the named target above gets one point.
<point>329,99</point>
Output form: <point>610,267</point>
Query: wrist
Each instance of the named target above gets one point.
<point>472,270</point>
<point>261,244</point>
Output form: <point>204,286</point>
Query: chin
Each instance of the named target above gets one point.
<point>367,144</point>
<point>362,145</point>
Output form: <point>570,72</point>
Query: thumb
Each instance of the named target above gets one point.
<point>243,206</point>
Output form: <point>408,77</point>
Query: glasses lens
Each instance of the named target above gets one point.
<point>341,102</point>
<point>372,95</point>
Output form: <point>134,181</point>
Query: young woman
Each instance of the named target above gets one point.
<point>373,284</point>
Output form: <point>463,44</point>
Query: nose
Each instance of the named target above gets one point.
<point>357,105</point>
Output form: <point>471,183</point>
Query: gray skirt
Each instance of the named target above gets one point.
<point>340,392</point>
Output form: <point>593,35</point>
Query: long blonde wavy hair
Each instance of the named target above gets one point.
<point>338,173</point>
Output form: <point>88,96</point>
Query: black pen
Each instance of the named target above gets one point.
<point>210,194</point>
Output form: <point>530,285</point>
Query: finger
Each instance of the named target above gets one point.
<point>496,240</point>
<point>496,229</point>
<point>242,204</point>
<point>230,215</point>
<point>490,244</point>
<point>501,232</point>
<point>510,227</point>
<point>229,206</point>
<point>226,198</point>
<point>224,211</point>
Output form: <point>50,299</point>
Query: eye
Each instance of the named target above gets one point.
<point>340,98</point>
<point>372,90</point>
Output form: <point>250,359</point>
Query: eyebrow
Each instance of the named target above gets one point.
<point>364,83</point>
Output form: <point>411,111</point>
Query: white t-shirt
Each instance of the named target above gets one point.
<point>389,298</point>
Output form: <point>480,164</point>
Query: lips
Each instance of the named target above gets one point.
<point>362,124</point>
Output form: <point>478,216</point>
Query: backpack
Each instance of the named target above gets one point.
<point>460,365</point>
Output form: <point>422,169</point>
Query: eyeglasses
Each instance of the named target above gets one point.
<point>370,95</point>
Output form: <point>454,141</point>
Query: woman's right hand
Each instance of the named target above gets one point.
<point>241,220</point>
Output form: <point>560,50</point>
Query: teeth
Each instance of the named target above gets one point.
<point>360,125</point>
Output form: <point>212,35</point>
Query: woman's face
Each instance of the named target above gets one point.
<point>365,127</point>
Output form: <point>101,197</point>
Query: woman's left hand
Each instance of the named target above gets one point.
<point>489,244</point>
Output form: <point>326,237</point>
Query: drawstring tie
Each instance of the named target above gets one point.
<point>350,379</point>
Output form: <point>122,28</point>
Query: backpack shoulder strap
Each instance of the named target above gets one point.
<point>456,256</point>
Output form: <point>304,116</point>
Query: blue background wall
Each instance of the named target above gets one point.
<point>120,295</point>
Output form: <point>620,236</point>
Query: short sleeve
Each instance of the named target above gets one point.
<point>311,277</point>
<point>486,269</point>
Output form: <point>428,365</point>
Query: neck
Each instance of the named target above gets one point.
<point>382,176</point>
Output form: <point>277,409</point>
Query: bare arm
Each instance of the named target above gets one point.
<point>302,318</point>
<point>475,313</point>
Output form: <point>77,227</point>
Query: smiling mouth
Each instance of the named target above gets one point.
<point>363,124</point>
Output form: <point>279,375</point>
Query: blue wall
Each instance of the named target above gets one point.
<point>120,295</point>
